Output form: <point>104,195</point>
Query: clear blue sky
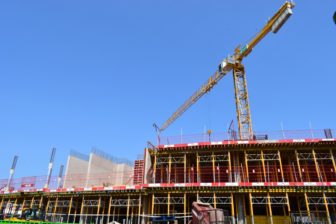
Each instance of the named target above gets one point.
<point>83,74</point>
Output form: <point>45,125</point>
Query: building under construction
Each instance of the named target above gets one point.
<point>252,181</point>
<point>276,177</point>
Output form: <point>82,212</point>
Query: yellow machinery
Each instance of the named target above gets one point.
<point>234,63</point>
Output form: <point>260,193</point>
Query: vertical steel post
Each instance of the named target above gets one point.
<point>263,166</point>
<point>197,168</point>
<point>246,165</point>
<point>113,214</point>
<point>139,209</point>
<point>185,167</point>
<point>213,167</point>
<point>169,168</point>
<point>154,169</point>
<point>299,206</point>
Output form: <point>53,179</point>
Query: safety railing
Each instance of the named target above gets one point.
<point>233,135</point>
<point>79,180</point>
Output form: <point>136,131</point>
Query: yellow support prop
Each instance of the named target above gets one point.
<point>298,164</point>
<point>232,207</point>
<point>215,200</point>
<point>55,209</point>
<point>229,169</point>
<point>32,202</point>
<point>168,204</point>
<point>307,206</point>
<point>269,208</point>
<point>316,166</point>
<point>70,207</point>
<point>109,209</point>
<point>251,208</point>
<point>153,202</point>
<point>327,208</point>
<point>47,207</point>
<point>15,205</point>
<point>99,204</point>
<point>281,169</point>
<point>185,207</point>
<point>2,202</point>
<point>333,160</point>
<point>82,207</point>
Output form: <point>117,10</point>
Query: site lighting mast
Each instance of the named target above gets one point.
<point>11,173</point>
<point>50,167</point>
<point>234,63</point>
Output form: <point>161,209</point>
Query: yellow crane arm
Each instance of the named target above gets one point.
<point>212,81</point>
<point>274,24</point>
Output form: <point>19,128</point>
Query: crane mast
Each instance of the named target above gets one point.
<point>234,63</point>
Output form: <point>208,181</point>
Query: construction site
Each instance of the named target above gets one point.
<point>238,177</point>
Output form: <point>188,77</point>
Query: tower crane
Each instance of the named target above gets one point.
<point>234,63</point>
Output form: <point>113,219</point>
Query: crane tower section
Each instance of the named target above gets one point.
<point>242,103</point>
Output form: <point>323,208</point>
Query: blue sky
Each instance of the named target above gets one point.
<point>83,74</point>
